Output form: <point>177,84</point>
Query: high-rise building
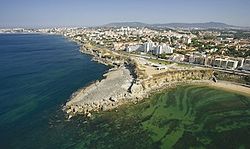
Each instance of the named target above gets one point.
<point>133,48</point>
<point>149,46</point>
<point>163,48</point>
<point>159,50</point>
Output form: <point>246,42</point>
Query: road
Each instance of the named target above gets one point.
<point>237,72</point>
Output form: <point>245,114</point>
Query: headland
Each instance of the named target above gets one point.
<point>129,80</point>
<point>135,75</point>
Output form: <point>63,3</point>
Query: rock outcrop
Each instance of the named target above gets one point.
<point>162,79</point>
<point>125,82</point>
<point>120,87</point>
<point>103,95</point>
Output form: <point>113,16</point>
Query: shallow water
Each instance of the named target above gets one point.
<point>184,117</point>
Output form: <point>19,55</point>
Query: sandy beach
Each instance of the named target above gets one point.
<point>231,86</point>
<point>119,86</point>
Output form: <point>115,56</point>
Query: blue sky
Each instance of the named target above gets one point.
<point>48,13</point>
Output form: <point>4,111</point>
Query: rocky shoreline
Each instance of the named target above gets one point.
<point>102,95</point>
<point>124,83</point>
<point>113,90</point>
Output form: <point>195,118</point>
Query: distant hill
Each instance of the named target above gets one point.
<point>207,25</point>
<point>195,25</point>
<point>127,24</point>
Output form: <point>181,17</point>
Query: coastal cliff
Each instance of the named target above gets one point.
<point>237,78</point>
<point>124,84</point>
<point>161,79</point>
<point>127,81</point>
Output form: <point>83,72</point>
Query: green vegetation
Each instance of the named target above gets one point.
<point>237,53</point>
<point>168,63</point>
<point>159,61</point>
<point>164,55</point>
<point>240,34</point>
<point>161,39</point>
<point>196,43</point>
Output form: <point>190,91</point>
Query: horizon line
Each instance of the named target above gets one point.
<point>103,24</point>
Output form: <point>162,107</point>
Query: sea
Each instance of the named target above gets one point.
<point>39,73</point>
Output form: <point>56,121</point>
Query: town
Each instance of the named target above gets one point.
<point>125,74</point>
<point>220,49</point>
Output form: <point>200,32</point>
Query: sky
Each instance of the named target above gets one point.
<point>59,13</point>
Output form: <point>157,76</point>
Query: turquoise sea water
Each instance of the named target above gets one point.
<point>38,73</point>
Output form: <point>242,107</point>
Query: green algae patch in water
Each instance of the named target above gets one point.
<point>184,117</point>
<point>198,116</point>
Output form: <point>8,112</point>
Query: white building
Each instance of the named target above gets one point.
<point>225,63</point>
<point>246,65</point>
<point>177,57</point>
<point>134,48</point>
<point>149,46</point>
<point>187,40</point>
<point>163,48</point>
<point>231,64</point>
<point>240,62</point>
<point>197,58</point>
